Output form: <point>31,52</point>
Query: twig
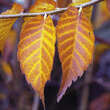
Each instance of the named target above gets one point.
<point>36,102</point>
<point>85,92</point>
<point>57,10</point>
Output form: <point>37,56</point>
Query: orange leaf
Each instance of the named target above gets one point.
<point>75,46</point>
<point>7,69</point>
<point>87,10</point>
<point>78,2</point>
<point>7,50</point>
<point>7,23</point>
<point>63,3</point>
<point>11,40</point>
<point>16,8</point>
<point>43,5</point>
<point>99,50</point>
<point>36,51</point>
<point>108,5</point>
<point>102,14</point>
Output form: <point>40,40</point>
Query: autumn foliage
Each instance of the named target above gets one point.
<point>36,49</point>
<point>75,45</point>
<point>6,24</point>
<point>37,46</point>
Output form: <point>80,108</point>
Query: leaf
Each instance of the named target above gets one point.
<point>108,5</point>
<point>7,52</point>
<point>99,51</point>
<point>101,15</point>
<point>16,8</point>
<point>10,43</point>
<point>87,10</point>
<point>36,51</point>
<point>75,45</point>
<point>42,6</point>
<point>63,3</point>
<point>103,8</point>
<point>78,2</point>
<point>7,23</point>
<point>7,69</point>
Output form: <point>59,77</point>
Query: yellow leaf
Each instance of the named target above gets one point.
<point>63,3</point>
<point>108,4</point>
<point>7,49</point>
<point>7,23</point>
<point>43,5</point>
<point>78,2</point>
<point>102,14</point>
<point>99,50</point>
<point>10,41</point>
<point>75,45</point>
<point>7,68</point>
<point>87,10</point>
<point>36,51</point>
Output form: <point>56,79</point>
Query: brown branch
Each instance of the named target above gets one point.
<point>36,102</point>
<point>57,10</point>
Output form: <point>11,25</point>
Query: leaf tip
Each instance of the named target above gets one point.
<point>17,7</point>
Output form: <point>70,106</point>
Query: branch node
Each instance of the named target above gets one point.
<point>80,10</point>
<point>45,16</point>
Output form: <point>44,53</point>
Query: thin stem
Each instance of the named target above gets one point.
<point>36,102</point>
<point>85,92</point>
<point>57,10</point>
